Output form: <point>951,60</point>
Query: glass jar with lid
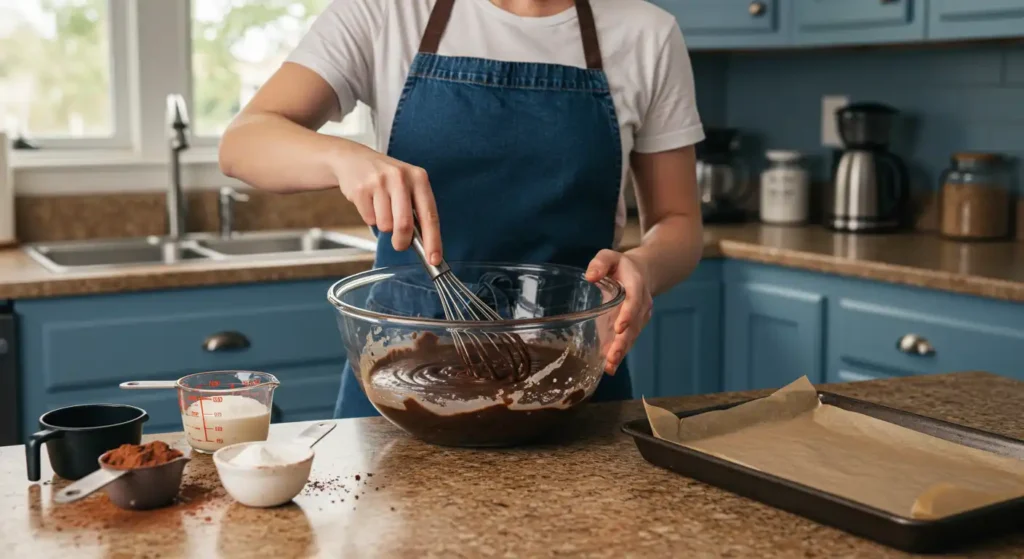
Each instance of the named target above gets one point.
<point>785,186</point>
<point>975,197</point>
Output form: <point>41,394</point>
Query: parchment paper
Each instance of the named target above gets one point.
<point>792,435</point>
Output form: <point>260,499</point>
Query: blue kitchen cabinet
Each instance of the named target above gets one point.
<point>774,328</point>
<point>975,19</point>
<point>680,351</point>
<point>79,349</point>
<point>879,330</point>
<point>724,24</point>
<point>782,323</point>
<point>850,22</point>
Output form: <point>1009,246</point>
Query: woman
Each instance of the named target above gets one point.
<point>512,123</point>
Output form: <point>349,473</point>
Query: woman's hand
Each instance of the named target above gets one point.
<point>635,310</point>
<point>386,191</point>
<point>273,144</point>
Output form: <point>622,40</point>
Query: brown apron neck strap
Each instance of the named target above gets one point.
<point>588,32</point>
<point>436,25</point>
<point>442,12</point>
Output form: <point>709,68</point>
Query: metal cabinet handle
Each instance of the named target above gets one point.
<point>912,344</point>
<point>757,9</point>
<point>226,341</point>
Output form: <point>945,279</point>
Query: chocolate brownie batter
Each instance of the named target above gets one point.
<point>446,403</point>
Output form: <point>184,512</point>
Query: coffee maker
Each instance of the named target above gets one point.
<point>722,178</point>
<point>870,185</point>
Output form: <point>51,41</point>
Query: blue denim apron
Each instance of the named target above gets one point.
<point>525,161</point>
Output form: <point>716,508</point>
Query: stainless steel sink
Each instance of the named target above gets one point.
<point>85,255</point>
<point>108,254</point>
<point>308,242</point>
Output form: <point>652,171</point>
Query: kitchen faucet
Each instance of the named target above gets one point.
<point>177,127</point>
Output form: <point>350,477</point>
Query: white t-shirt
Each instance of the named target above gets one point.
<point>363,49</point>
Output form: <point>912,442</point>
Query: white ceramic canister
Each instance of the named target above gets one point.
<point>785,188</point>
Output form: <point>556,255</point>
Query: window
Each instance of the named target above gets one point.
<point>57,69</point>
<point>236,46</point>
<point>95,73</point>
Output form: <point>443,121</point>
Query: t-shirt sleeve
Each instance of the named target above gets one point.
<point>671,120</point>
<point>339,48</point>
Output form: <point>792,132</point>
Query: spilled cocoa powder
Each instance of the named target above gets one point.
<point>131,456</point>
<point>201,494</point>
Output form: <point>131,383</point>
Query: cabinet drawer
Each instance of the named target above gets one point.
<point>843,21</point>
<point>957,19</point>
<point>846,372</point>
<point>307,393</point>
<point>729,23</point>
<point>161,405</point>
<point>869,334</point>
<point>90,342</point>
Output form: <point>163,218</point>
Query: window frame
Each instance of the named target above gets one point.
<point>118,32</point>
<point>151,58</point>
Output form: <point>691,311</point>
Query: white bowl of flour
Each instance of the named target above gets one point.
<point>264,474</point>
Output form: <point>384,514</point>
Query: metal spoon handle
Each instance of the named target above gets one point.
<point>148,384</point>
<point>312,434</point>
<point>87,485</point>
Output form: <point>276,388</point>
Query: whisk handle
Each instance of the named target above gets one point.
<point>421,251</point>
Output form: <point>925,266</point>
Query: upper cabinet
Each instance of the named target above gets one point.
<point>830,22</point>
<point>960,19</point>
<point>762,24</point>
<point>717,24</point>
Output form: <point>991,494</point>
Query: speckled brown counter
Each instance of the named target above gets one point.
<point>589,494</point>
<point>993,270</point>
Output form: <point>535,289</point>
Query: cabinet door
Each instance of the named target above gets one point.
<point>679,352</point>
<point>826,22</point>
<point>710,24</point>
<point>975,19</point>
<point>308,393</point>
<point>773,335</point>
<point>78,349</point>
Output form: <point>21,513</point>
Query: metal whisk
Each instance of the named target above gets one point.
<point>485,354</point>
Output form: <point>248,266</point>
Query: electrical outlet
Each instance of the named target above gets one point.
<point>829,132</point>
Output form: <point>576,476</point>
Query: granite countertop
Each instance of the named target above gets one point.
<point>993,270</point>
<point>376,492</point>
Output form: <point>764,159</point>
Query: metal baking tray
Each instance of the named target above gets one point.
<point>907,534</point>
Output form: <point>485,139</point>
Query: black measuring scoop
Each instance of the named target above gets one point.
<point>76,437</point>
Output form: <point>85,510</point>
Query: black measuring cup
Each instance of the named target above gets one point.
<point>76,437</point>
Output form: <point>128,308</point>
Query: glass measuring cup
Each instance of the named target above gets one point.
<point>220,408</point>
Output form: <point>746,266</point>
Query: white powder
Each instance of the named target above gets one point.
<point>259,455</point>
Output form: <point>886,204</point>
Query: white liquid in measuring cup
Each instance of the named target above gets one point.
<point>217,421</point>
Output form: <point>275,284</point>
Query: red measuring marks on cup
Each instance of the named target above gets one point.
<point>202,414</point>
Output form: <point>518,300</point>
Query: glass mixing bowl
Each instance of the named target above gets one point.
<point>402,350</point>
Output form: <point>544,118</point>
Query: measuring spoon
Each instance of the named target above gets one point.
<point>138,488</point>
<point>148,384</point>
<point>312,434</point>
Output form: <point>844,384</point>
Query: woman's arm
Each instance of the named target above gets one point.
<point>673,239</point>
<point>666,189</point>
<point>273,145</point>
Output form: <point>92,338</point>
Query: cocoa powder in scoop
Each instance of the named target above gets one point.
<point>131,456</point>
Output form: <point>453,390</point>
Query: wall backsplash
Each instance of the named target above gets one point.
<point>92,216</point>
<point>952,99</point>
<point>965,98</point>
